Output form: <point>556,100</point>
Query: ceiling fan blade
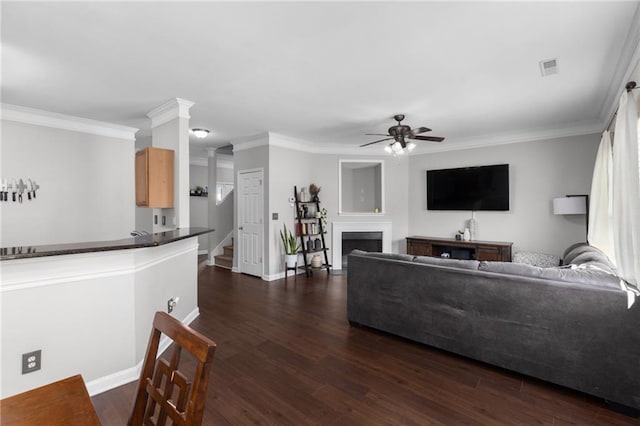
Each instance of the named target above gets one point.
<point>428,138</point>
<point>377,134</point>
<point>371,143</point>
<point>419,130</point>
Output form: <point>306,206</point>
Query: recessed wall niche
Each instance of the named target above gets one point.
<point>361,191</point>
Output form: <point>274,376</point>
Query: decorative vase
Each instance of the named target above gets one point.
<point>317,243</point>
<point>473,229</point>
<point>467,234</point>
<point>291,260</point>
<point>316,261</point>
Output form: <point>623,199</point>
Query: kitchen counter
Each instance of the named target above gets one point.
<point>152,240</point>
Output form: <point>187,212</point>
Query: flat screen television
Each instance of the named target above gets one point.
<point>469,188</point>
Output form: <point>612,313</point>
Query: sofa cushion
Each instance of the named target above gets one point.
<point>596,266</point>
<point>591,256</point>
<point>452,263</point>
<point>589,274</point>
<point>391,256</point>
<point>573,251</point>
<point>542,260</point>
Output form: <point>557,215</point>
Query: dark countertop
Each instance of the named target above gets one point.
<point>152,240</point>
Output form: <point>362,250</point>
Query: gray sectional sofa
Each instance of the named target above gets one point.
<point>569,325</point>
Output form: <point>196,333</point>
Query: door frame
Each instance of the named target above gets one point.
<point>238,216</point>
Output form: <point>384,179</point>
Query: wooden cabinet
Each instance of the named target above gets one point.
<point>455,249</point>
<point>154,177</point>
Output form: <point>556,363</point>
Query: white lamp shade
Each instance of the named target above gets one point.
<point>570,205</point>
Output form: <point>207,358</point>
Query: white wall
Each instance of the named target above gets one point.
<point>324,172</point>
<point>144,215</point>
<point>90,313</point>
<point>87,190</point>
<point>225,175</point>
<point>199,206</point>
<point>539,171</point>
<point>288,168</point>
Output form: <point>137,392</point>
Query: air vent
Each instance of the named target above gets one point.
<point>549,67</point>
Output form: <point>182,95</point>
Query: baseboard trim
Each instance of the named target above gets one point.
<point>128,375</point>
<point>222,266</point>
<point>279,275</point>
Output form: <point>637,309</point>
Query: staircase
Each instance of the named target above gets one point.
<point>225,260</point>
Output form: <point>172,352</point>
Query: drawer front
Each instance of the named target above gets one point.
<point>418,248</point>
<point>490,254</point>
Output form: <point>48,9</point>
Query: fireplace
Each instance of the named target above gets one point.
<point>368,236</point>
<point>367,241</point>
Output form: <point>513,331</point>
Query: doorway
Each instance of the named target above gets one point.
<point>250,221</point>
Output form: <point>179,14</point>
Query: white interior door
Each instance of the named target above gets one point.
<point>250,222</point>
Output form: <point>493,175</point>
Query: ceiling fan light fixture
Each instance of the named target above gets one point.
<point>200,133</point>
<point>411,146</point>
<point>396,146</point>
<point>388,149</point>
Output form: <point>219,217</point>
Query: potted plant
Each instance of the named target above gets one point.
<point>290,247</point>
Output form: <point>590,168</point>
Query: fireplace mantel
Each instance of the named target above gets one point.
<point>337,228</point>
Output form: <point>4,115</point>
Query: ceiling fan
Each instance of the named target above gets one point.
<point>401,131</point>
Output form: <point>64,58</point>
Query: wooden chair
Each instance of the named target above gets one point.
<point>153,403</point>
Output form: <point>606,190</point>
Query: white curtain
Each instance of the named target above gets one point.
<point>626,190</point>
<point>600,232</point>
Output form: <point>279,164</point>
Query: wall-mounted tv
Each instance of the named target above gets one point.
<point>469,188</point>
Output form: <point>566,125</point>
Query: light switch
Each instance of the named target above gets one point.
<point>274,216</point>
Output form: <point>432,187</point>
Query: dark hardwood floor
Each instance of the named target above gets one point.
<point>286,355</point>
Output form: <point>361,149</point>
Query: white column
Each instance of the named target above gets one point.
<point>214,238</point>
<point>170,130</point>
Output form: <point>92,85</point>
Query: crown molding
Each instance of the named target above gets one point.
<point>223,161</point>
<point>175,108</point>
<point>486,141</point>
<point>198,161</point>
<point>282,141</point>
<point>289,142</point>
<point>55,120</point>
<point>249,142</point>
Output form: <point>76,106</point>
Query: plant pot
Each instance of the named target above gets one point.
<point>291,260</point>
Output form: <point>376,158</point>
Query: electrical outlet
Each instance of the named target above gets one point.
<point>31,361</point>
<point>274,216</point>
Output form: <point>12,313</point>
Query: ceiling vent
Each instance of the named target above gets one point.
<point>549,67</point>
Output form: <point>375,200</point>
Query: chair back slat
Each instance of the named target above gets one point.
<point>154,402</point>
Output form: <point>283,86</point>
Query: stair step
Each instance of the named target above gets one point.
<point>228,250</point>
<point>223,261</point>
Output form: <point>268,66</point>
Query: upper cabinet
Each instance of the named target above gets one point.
<point>154,177</point>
